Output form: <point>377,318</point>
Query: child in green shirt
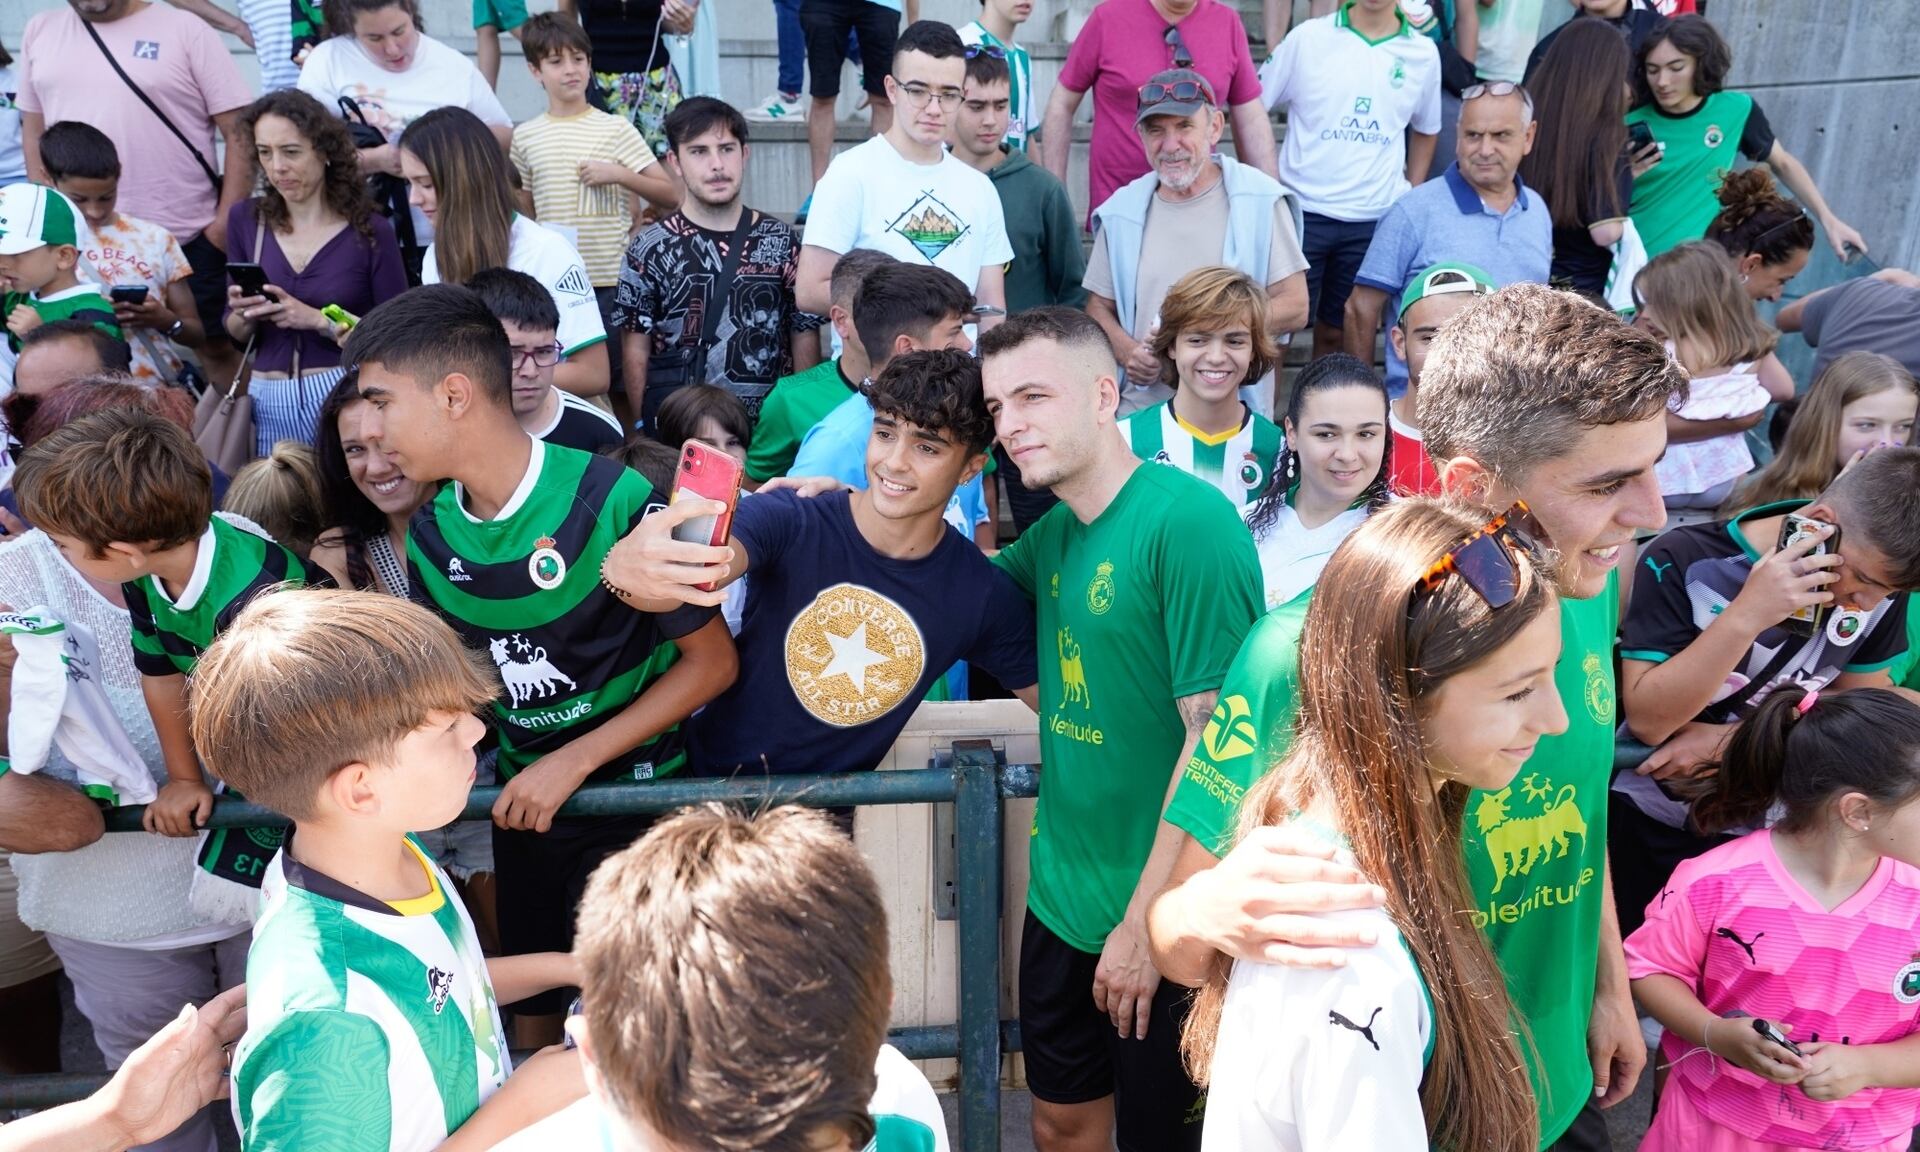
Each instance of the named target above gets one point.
<point>39,264</point>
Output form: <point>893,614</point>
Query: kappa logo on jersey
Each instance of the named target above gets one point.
<point>457,572</point>
<point>853,655</point>
<point>1163,457</point>
<point>575,282</point>
<point>1230,733</point>
<point>1100,590</point>
<point>532,677</point>
<point>930,226</point>
<point>1515,844</point>
<point>1073,673</point>
<point>439,987</point>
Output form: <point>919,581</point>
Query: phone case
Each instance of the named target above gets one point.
<point>1809,620</point>
<point>709,474</point>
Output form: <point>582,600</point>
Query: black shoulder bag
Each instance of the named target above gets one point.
<point>212,176</point>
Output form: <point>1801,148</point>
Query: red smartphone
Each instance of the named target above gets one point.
<point>710,474</point>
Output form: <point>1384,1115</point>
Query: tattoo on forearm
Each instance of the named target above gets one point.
<point>1195,709</point>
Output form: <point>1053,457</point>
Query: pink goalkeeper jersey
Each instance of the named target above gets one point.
<point>1738,929</point>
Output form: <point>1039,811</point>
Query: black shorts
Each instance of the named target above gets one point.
<point>209,285</point>
<point>1074,1056</point>
<point>1644,852</point>
<point>1334,249</point>
<point>825,24</point>
<point>538,880</point>
<point>1587,1133</point>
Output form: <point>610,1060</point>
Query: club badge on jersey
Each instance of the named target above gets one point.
<point>546,567</point>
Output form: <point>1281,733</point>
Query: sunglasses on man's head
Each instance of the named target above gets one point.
<point>1181,57</point>
<point>1183,91</point>
<point>988,50</point>
<point>1495,88</point>
<point>1485,559</point>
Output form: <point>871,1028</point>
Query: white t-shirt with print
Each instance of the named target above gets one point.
<point>544,255</point>
<point>133,251</point>
<point>1292,554</point>
<point>438,77</point>
<point>944,214</point>
<point>1349,105</point>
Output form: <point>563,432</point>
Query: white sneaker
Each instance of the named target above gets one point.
<point>775,108</point>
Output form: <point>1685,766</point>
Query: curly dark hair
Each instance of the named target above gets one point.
<point>1755,219</point>
<point>346,192</point>
<point>938,390</point>
<point>1691,36</point>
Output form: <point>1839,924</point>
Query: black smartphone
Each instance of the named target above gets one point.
<point>251,279</point>
<point>1773,1034</point>
<point>1809,620</point>
<point>128,294</point>
<point>1640,135</point>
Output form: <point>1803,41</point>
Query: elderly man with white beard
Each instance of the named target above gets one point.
<point>1196,208</point>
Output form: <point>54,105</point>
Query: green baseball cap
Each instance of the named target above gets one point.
<point>33,216</point>
<point>1444,280</point>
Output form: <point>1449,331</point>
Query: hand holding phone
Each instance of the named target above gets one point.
<point>250,278</point>
<point>706,473</point>
<point>132,294</point>
<point>1790,585</point>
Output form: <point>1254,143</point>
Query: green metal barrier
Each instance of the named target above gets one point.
<point>976,784</point>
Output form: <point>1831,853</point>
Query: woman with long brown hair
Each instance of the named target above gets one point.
<point>1863,401</point>
<point>1426,670</point>
<point>1579,160</point>
<point>461,181</point>
<point>317,239</point>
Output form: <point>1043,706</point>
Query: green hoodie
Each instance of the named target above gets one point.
<point>1045,234</point>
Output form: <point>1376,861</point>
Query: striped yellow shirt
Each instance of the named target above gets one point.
<point>547,151</point>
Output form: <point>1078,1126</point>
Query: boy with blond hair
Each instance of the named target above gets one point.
<point>128,499</point>
<point>372,1019</point>
<point>743,1005</point>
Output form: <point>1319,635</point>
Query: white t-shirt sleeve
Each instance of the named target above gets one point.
<point>316,75</point>
<point>1276,72</point>
<point>901,1089</point>
<point>833,220</point>
<point>544,255</point>
<point>1426,114</point>
<point>481,100</point>
<point>1322,1060</point>
<point>429,267</point>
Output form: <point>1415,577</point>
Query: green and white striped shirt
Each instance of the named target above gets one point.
<point>1023,113</point>
<point>371,1027</point>
<point>1237,463</point>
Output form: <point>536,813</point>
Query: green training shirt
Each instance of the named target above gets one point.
<point>231,566</point>
<point>1143,606</point>
<point>1237,463</point>
<point>1536,850</point>
<point>524,587</point>
<point>795,405</point>
<point>1673,202</point>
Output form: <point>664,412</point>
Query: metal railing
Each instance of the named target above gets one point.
<point>976,783</point>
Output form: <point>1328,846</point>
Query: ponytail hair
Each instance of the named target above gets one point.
<point>1800,750</point>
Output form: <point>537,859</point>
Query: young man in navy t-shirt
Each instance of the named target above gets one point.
<point>860,600</point>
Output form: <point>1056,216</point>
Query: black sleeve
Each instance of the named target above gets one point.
<point>1659,622</point>
<point>1756,139</point>
<point>684,620</point>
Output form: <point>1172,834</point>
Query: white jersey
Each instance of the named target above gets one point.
<point>548,257</point>
<point>370,1026</point>
<point>944,214</point>
<point>906,1115</point>
<point>1350,102</point>
<point>1313,1059</point>
<point>1292,555</point>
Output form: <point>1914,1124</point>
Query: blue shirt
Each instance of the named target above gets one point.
<point>839,643</point>
<point>837,447</point>
<point>1445,219</point>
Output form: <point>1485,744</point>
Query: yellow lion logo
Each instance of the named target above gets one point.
<point>1516,844</point>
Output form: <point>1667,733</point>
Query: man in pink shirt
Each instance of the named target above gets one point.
<point>1123,45</point>
<point>180,64</point>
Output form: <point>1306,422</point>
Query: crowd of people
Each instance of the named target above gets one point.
<point>346,475</point>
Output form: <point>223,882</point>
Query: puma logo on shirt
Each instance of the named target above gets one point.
<point>1745,945</point>
<point>1364,1029</point>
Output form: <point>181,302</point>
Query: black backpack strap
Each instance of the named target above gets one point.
<point>152,107</point>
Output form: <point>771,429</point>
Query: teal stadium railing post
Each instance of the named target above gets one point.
<point>977,827</point>
<point>976,783</point>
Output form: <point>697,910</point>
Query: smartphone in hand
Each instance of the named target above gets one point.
<point>134,294</point>
<point>251,279</point>
<point>706,473</point>
<point>1809,620</point>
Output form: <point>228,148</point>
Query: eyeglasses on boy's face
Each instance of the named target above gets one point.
<point>919,95</point>
<point>544,356</point>
<point>1485,559</point>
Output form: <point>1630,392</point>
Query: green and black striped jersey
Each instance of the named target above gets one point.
<point>525,588</point>
<point>232,564</point>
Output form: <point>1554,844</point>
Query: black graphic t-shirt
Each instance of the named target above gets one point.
<point>668,281</point>
<point>839,643</point>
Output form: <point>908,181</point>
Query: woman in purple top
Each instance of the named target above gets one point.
<point>314,232</point>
